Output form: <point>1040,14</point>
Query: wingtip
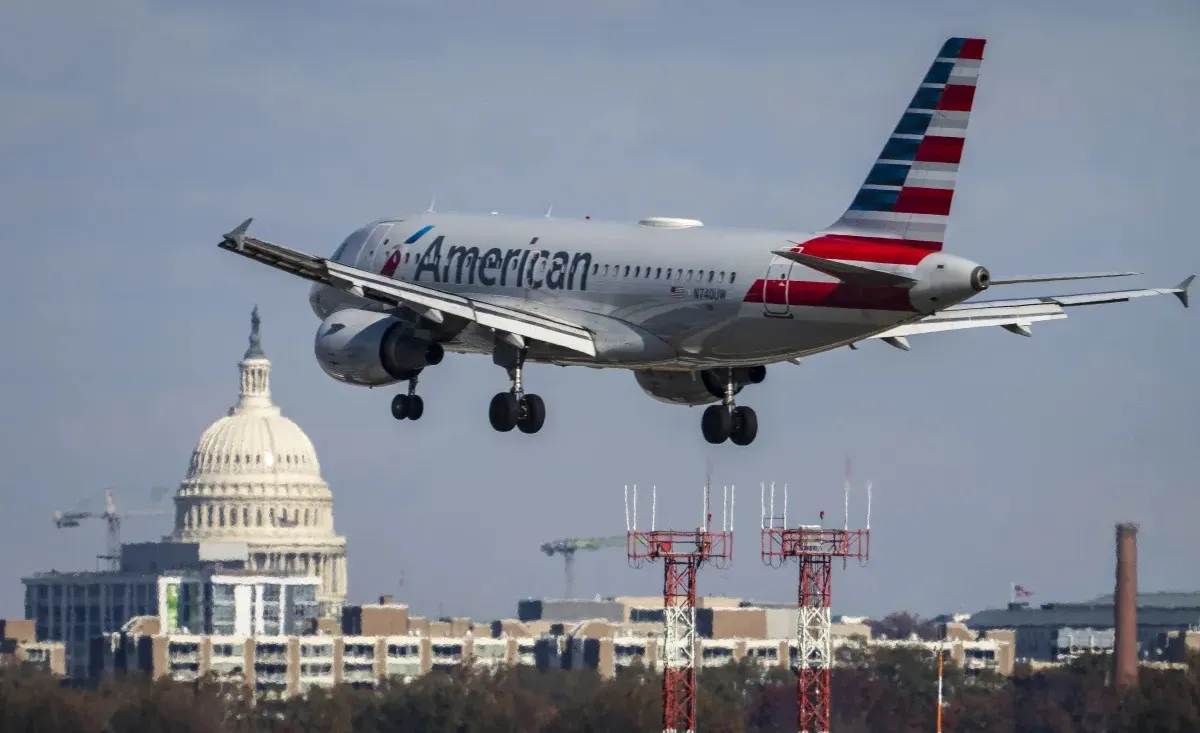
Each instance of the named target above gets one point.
<point>1181,290</point>
<point>237,237</point>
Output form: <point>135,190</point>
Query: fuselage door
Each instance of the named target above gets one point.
<point>775,288</point>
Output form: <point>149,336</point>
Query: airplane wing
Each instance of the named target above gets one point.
<point>1017,314</point>
<point>426,301</point>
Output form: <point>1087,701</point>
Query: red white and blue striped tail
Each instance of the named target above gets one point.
<point>907,195</point>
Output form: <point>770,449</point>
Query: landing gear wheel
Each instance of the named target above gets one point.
<point>400,406</point>
<point>504,411</point>
<point>416,407</point>
<point>533,414</point>
<point>745,426</point>
<point>716,424</point>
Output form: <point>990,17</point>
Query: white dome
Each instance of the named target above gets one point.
<point>254,442</point>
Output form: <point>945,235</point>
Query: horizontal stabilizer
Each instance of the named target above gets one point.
<point>846,272</point>
<point>1059,278</point>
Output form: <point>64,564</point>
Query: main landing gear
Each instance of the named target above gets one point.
<point>409,406</point>
<point>515,408</point>
<point>727,421</point>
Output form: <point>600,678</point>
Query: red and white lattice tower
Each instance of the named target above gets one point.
<point>815,548</point>
<point>682,553</point>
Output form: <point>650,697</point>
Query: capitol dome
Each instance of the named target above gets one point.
<point>254,477</point>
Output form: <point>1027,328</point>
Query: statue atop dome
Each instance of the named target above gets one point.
<point>255,351</point>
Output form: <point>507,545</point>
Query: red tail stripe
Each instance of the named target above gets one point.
<point>957,98</point>
<point>916,200</point>
<point>869,249</point>
<point>972,48</point>
<point>938,149</point>
<point>829,295</point>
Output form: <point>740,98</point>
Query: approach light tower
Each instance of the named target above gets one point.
<point>682,553</point>
<point>815,548</point>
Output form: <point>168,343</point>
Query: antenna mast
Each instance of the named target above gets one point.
<point>814,548</point>
<point>682,553</point>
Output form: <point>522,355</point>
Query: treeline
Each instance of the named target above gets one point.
<point>888,691</point>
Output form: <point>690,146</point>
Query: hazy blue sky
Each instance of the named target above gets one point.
<point>133,133</point>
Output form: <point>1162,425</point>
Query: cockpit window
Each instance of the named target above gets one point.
<point>350,249</point>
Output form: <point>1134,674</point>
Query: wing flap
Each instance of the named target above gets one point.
<point>955,320</point>
<point>415,297</point>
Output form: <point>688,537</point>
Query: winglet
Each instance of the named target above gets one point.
<point>1181,290</point>
<point>238,236</point>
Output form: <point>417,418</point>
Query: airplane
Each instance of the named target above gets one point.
<point>695,312</point>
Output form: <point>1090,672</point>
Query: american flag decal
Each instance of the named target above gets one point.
<point>677,292</point>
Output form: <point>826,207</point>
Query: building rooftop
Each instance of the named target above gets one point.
<point>119,576</point>
<point>1158,608</point>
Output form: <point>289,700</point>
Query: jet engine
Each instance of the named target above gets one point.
<point>372,349</point>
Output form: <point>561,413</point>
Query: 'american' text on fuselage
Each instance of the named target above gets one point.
<point>527,267</point>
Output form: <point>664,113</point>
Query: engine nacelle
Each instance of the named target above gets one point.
<point>675,388</point>
<point>372,349</point>
<point>699,387</point>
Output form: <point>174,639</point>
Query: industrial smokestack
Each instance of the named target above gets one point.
<point>1125,646</point>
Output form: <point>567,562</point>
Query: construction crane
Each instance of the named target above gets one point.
<point>64,520</point>
<point>569,546</point>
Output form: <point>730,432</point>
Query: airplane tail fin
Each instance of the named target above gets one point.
<point>906,197</point>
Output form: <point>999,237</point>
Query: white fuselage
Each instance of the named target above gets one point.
<point>663,296</point>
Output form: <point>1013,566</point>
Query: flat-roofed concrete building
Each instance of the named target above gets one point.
<point>1038,629</point>
<point>74,608</point>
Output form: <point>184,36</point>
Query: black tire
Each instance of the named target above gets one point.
<point>533,414</point>
<point>504,411</point>
<point>400,406</point>
<point>416,407</point>
<point>716,424</point>
<point>756,374</point>
<point>745,426</point>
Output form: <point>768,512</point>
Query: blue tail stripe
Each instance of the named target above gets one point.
<point>900,149</point>
<point>420,233</point>
<point>926,98</point>
<point>871,199</point>
<point>887,174</point>
<point>939,73</point>
<point>951,48</point>
<point>913,123</point>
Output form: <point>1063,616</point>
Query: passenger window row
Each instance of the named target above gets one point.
<point>679,275</point>
<point>639,271</point>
